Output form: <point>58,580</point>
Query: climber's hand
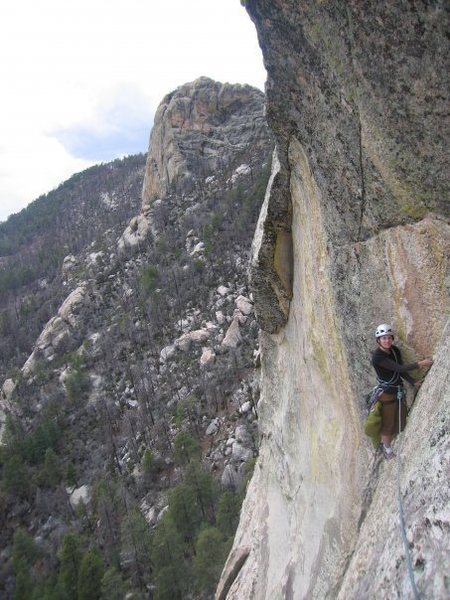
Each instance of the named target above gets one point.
<point>426,362</point>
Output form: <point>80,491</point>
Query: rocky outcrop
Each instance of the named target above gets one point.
<point>200,128</point>
<point>58,333</point>
<point>354,231</point>
<point>134,234</point>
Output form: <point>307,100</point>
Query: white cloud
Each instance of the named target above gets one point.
<point>119,126</point>
<point>78,66</point>
<point>32,165</point>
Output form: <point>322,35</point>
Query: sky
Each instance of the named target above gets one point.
<point>81,80</point>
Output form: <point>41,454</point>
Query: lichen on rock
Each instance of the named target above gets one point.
<point>354,99</point>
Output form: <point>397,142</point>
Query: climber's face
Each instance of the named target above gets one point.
<point>386,341</point>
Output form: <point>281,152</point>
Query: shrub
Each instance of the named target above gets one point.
<point>185,448</point>
<point>149,279</point>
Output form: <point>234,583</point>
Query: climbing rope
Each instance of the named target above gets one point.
<point>400,505</point>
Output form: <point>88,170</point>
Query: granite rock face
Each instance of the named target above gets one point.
<point>354,231</point>
<point>201,127</point>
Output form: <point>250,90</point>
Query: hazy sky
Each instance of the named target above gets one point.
<point>81,80</point>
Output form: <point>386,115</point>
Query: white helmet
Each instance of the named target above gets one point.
<point>384,329</point>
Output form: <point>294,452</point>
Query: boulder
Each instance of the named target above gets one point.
<point>241,453</point>
<point>7,390</point>
<point>222,290</point>
<point>243,435</point>
<point>231,478</point>
<point>198,248</point>
<point>69,263</point>
<point>81,494</point>
<point>246,407</point>
<point>208,356</point>
<point>233,335</point>
<point>198,336</point>
<point>220,317</point>
<point>167,353</point>
<point>71,304</point>
<point>213,427</point>
<point>134,234</point>
<point>244,305</point>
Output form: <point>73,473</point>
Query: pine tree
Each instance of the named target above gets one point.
<point>185,511</point>
<point>136,546</point>
<point>147,461</point>
<point>15,480</point>
<point>210,554</point>
<point>71,476</point>
<point>90,576</point>
<point>24,548</point>
<point>112,585</point>
<point>185,448</point>
<point>228,508</point>
<point>205,488</point>
<point>45,436</point>
<point>171,573</point>
<point>50,472</point>
<point>24,583</point>
<point>108,507</point>
<point>25,554</point>
<point>70,559</point>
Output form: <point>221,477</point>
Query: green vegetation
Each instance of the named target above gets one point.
<point>125,439</point>
<point>77,382</point>
<point>71,475</point>
<point>90,576</point>
<point>190,544</point>
<point>25,554</point>
<point>112,585</point>
<point>147,461</point>
<point>23,452</point>
<point>69,567</point>
<point>415,210</point>
<point>50,474</point>
<point>185,448</point>
<point>36,444</point>
<point>228,508</point>
<point>149,279</point>
<point>211,550</point>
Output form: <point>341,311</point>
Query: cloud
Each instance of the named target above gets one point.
<point>81,81</point>
<point>119,126</point>
<point>32,164</point>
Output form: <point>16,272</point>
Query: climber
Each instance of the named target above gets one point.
<point>388,364</point>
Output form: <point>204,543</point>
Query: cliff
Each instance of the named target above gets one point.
<point>354,231</point>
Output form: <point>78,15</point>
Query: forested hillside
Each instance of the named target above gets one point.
<point>34,242</point>
<point>129,418</point>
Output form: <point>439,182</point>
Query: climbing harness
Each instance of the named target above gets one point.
<point>400,505</point>
<point>381,387</point>
<point>372,423</point>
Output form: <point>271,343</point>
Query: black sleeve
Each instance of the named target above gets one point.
<point>391,365</point>
<point>407,377</point>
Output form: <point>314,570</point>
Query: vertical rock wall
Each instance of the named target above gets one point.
<point>356,94</point>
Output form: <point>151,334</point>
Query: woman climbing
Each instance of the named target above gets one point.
<point>388,364</point>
